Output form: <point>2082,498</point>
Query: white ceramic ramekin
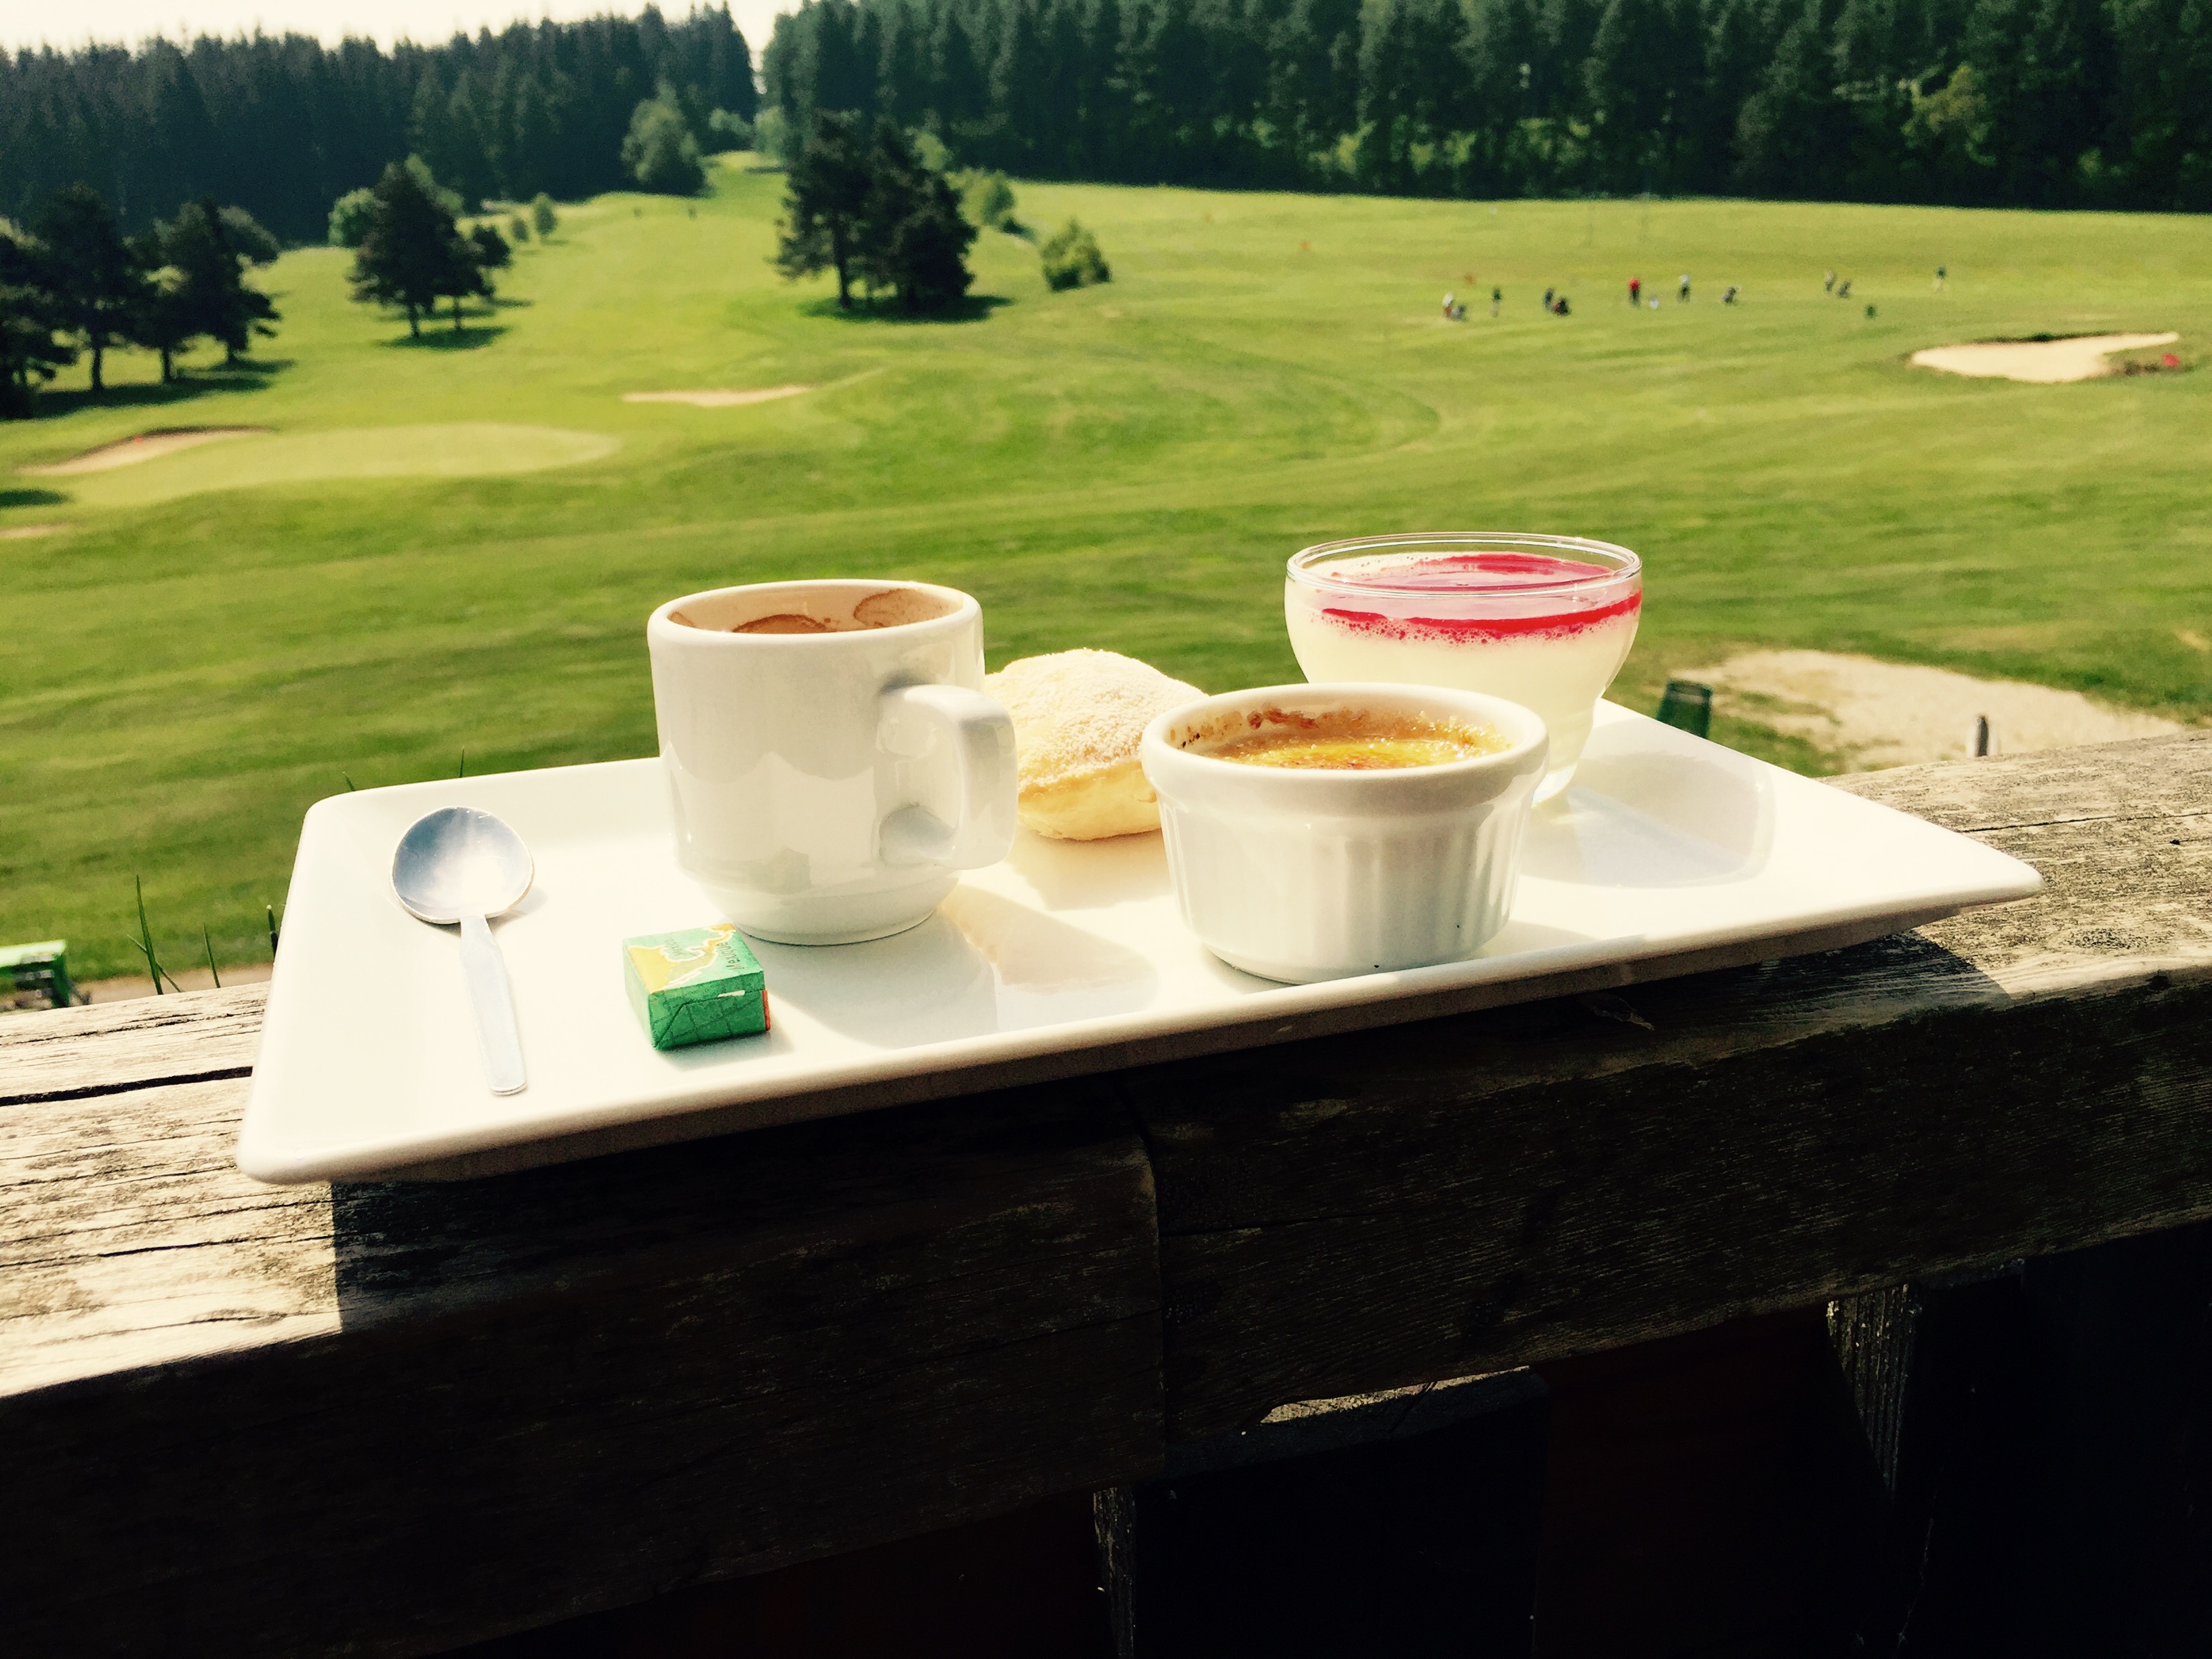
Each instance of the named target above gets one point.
<point>1299,875</point>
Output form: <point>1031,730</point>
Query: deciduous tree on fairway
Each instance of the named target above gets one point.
<point>89,268</point>
<point>195,286</point>
<point>823,202</point>
<point>913,237</point>
<point>202,246</point>
<point>31,324</point>
<point>412,255</point>
<point>772,137</point>
<point>876,213</point>
<point>987,199</point>
<point>248,240</point>
<point>465,279</point>
<point>492,251</point>
<point>659,151</point>
<point>482,251</point>
<point>351,216</point>
<point>163,321</point>
<point>449,199</point>
<point>543,219</point>
<point>1071,259</point>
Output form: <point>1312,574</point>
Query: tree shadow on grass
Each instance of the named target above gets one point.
<point>246,375</point>
<point>445,338</point>
<point>32,498</point>
<point>502,302</point>
<point>972,309</point>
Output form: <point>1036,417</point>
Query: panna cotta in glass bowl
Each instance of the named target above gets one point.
<point>1543,620</point>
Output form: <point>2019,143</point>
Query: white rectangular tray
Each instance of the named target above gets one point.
<point>1668,855</point>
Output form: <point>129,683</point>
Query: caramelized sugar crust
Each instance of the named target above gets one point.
<point>1349,740</point>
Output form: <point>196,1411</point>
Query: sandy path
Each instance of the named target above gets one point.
<point>719,397</point>
<point>2044,363</point>
<point>143,447</point>
<point>190,979</point>
<point>1885,714</point>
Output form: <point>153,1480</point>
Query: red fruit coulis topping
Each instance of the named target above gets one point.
<point>1478,573</point>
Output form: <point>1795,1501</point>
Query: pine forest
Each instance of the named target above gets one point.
<point>2096,103</point>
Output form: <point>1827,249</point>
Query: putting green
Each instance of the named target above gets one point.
<point>461,449</point>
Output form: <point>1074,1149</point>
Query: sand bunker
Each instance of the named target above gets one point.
<point>2044,363</point>
<point>1885,714</point>
<point>720,397</point>
<point>23,532</point>
<point>144,447</point>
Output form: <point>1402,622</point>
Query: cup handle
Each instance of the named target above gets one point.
<point>979,735</point>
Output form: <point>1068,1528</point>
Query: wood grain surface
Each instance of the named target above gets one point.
<point>376,1419</point>
<point>74,1052</point>
<point>1469,1194</point>
<point>390,1420</point>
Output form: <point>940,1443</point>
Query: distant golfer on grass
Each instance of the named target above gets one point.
<point>1635,290</point>
<point>1682,291</point>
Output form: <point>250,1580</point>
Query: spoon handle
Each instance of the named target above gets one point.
<point>486,975</point>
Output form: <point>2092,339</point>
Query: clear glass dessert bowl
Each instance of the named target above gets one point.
<point>1543,621</point>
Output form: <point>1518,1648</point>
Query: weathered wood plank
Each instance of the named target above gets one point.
<point>68,1053</point>
<point>2122,832</point>
<point>387,1419</point>
<point>433,1413</point>
<point>2154,778</point>
<point>129,1238</point>
<point>1495,1190</point>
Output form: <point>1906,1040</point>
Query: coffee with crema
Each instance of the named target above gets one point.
<point>829,789</point>
<point>893,607</point>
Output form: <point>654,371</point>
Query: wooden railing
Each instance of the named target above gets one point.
<point>390,1420</point>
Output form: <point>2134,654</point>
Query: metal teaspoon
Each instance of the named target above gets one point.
<point>461,864</point>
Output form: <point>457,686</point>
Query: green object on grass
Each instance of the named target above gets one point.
<point>701,985</point>
<point>42,968</point>
<point>1688,705</point>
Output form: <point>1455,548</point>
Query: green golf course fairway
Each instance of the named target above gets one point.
<point>457,449</point>
<point>451,547</point>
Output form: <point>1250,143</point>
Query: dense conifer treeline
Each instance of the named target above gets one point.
<point>282,126</point>
<point>2033,102</point>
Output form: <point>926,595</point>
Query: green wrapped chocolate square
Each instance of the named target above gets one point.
<point>697,986</point>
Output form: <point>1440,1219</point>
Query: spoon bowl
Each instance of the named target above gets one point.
<point>461,864</point>
<point>460,861</point>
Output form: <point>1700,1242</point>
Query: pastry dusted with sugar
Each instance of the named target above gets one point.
<point>1078,717</point>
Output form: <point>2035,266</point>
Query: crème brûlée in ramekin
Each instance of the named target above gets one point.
<point>1391,842</point>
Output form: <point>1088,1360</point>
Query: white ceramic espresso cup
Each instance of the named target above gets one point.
<point>831,778</point>
<point>1302,875</point>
